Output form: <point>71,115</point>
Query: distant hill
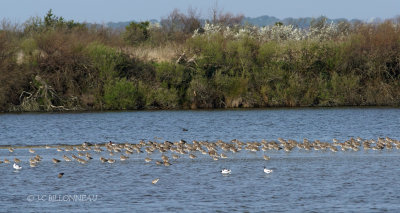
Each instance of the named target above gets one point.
<point>261,20</point>
<point>257,21</point>
<point>123,24</point>
<point>298,22</point>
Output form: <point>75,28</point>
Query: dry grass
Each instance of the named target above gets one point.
<point>163,53</point>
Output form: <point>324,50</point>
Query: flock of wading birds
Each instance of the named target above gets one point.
<point>177,149</point>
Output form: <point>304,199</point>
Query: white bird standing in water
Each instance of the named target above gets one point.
<point>267,171</point>
<point>17,167</point>
<point>225,171</point>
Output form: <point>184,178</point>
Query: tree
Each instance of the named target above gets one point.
<point>136,32</point>
<point>52,22</point>
<point>179,25</point>
<point>225,19</point>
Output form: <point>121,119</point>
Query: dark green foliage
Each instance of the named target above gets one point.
<point>122,94</point>
<point>51,22</point>
<point>136,33</point>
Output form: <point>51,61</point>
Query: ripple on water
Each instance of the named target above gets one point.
<point>301,181</point>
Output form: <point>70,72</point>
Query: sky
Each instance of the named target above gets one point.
<point>103,11</point>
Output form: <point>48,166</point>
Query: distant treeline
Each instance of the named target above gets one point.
<point>259,21</point>
<point>52,64</point>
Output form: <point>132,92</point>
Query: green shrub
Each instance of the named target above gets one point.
<point>211,53</point>
<point>200,93</point>
<point>104,59</point>
<point>122,94</point>
<point>136,33</point>
<point>170,74</point>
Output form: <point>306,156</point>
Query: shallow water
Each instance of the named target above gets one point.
<point>364,181</point>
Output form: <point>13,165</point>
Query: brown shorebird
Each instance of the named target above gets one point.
<point>66,158</point>
<point>56,160</point>
<point>103,160</point>
<point>123,158</point>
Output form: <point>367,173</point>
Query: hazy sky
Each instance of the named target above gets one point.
<point>102,11</point>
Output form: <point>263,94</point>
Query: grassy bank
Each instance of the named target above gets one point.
<point>51,64</point>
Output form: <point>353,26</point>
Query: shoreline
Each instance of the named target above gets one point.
<point>206,109</point>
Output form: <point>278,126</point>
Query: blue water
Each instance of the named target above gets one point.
<point>319,181</point>
<point>247,125</point>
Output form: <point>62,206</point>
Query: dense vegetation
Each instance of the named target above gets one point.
<point>51,64</point>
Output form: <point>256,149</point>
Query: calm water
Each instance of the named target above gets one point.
<point>364,181</point>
